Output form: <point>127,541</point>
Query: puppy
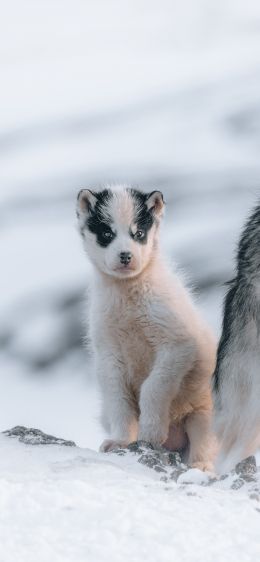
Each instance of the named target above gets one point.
<point>236,381</point>
<point>154,355</point>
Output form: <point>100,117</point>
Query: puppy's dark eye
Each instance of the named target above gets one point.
<point>107,234</point>
<point>139,234</point>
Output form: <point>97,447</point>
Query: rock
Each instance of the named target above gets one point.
<point>175,459</point>
<point>139,446</point>
<point>149,456</point>
<point>159,459</point>
<point>237,484</point>
<point>247,469</point>
<point>31,436</point>
<point>152,461</point>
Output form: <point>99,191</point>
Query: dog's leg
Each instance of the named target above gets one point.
<point>159,390</point>
<point>119,406</point>
<point>240,443</point>
<point>203,445</point>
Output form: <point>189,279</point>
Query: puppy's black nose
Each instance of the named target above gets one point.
<point>125,257</point>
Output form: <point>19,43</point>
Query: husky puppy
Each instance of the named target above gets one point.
<point>236,381</point>
<point>154,355</point>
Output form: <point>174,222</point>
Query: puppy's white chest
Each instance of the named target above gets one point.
<point>128,327</point>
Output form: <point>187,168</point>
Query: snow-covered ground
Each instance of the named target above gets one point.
<point>162,94</point>
<point>69,504</point>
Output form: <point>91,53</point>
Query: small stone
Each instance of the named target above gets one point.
<point>237,484</point>
<point>139,446</point>
<point>152,461</point>
<point>118,451</point>
<point>159,468</point>
<point>223,477</point>
<point>212,480</point>
<point>174,459</point>
<point>247,469</point>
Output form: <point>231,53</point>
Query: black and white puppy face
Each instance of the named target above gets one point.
<point>119,228</point>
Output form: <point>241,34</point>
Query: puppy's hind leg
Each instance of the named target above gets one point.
<point>159,390</point>
<point>203,445</point>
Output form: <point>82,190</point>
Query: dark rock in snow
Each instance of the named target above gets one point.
<point>139,446</point>
<point>237,484</point>
<point>247,469</point>
<point>159,459</point>
<point>171,465</point>
<point>31,436</point>
<point>167,458</point>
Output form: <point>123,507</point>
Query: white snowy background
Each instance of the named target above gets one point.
<point>164,95</point>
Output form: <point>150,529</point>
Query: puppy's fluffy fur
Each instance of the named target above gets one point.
<point>236,381</point>
<point>154,355</point>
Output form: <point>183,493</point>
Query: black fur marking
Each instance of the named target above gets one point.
<point>98,222</point>
<point>226,334</point>
<point>242,304</point>
<point>144,218</point>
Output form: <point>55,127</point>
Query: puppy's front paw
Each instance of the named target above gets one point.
<point>111,445</point>
<point>205,466</point>
<point>153,434</point>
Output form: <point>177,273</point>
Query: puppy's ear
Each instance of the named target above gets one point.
<point>86,201</point>
<point>155,203</point>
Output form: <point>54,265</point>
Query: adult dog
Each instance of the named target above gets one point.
<point>236,381</point>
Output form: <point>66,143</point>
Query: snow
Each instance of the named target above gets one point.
<point>64,503</point>
<point>165,95</point>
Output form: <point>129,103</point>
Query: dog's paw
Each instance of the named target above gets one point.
<point>152,434</point>
<point>205,466</point>
<point>111,445</point>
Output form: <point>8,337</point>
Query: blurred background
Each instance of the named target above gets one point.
<point>165,95</point>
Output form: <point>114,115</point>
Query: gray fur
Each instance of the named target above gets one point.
<point>236,381</point>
